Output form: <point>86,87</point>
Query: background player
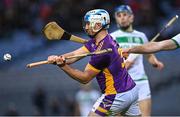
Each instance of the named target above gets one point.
<point>119,91</point>
<point>152,47</point>
<point>127,37</point>
<point>85,98</point>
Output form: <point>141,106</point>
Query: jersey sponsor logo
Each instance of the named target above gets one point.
<point>137,40</point>
<point>126,39</point>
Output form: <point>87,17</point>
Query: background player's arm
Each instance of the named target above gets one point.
<point>81,76</point>
<point>152,47</point>
<point>154,61</point>
<point>167,45</point>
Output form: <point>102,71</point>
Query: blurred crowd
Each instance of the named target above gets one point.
<point>31,15</point>
<point>43,104</point>
<point>65,104</point>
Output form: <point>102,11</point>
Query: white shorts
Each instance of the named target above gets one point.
<point>125,103</point>
<point>144,90</point>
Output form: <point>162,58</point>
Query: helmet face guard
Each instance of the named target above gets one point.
<point>97,16</point>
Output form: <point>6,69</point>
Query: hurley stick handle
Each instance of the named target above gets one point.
<point>165,27</point>
<point>78,39</point>
<point>36,64</point>
<point>70,57</point>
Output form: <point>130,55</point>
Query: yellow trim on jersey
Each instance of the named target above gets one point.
<point>102,110</point>
<point>85,49</point>
<point>92,68</point>
<point>110,89</point>
<point>120,51</point>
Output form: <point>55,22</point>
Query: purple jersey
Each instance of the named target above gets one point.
<point>112,75</point>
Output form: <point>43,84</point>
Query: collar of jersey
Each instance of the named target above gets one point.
<point>126,31</point>
<point>100,41</point>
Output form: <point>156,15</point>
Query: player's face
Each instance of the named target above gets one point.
<point>124,19</point>
<point>92,30</point>
<point>88,28</point>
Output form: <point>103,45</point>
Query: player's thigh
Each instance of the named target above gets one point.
<point>133,109</point>
<point>144,90</point>
<point>103,104</point>
<point>116,103</point>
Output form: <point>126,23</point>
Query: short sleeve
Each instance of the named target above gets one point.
<point>176,39</point>
<point>145,38</point>
<point>85,48</point>
<point>99,62</point>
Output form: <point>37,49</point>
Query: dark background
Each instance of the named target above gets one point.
<point>21,22</point>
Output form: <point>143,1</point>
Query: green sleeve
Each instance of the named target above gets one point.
<point>177,45</point>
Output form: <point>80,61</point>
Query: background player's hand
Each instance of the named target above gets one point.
<point>125,52</point>
<point>158,65</point>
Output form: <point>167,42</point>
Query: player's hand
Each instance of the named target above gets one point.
<point>57,60</point>
<point>158,65</point>
<point>60,61</point>
<point>52,59</point>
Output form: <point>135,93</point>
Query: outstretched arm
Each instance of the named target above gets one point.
<point>153,47</point>
<point>154,61</point>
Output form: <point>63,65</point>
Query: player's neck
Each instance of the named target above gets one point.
<point>100,36</point>
<point>129,29</point>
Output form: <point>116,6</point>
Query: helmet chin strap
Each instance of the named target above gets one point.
<point>97,31</point>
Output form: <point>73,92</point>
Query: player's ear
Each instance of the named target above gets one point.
<point>131,18</point>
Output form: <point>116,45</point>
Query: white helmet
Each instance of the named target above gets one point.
<point>97,16</point>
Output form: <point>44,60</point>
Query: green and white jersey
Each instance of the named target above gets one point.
<point>176,39</point>
<point>128,40</point>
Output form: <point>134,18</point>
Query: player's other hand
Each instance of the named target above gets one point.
<point>60,61</point>
<point>125,52</point>
<point>158,65</point>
